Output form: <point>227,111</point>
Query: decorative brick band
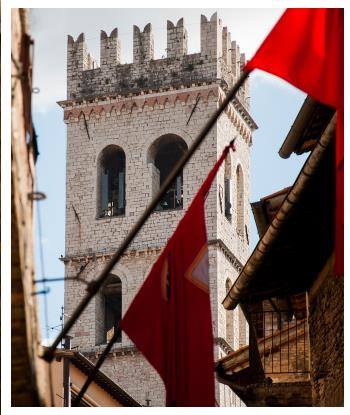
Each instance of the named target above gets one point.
<point>150,252</point>
<point>97,108</point>
<point>121,350</point>
<point>108,255</point>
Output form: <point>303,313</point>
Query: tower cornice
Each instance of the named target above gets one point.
<point>99,105</point>
<point>77,258</point>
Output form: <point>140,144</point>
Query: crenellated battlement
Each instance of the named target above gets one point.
<point>110,49</point>
<point>143,44</point>
<point>176,39</point>
<point>219,61</point>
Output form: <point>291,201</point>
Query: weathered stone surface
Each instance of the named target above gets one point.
<point>326,325</point>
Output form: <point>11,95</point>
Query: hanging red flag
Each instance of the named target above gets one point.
<point>169,320</point>
<point>306,48</point>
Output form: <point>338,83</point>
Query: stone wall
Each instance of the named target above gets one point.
<point>326,325</point>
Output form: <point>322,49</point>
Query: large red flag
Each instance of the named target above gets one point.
<point>306,48</point>
<point>169,320</point>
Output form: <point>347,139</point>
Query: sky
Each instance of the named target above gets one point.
<point>274,106</point>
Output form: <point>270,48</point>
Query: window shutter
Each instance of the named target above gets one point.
<point>104,191</point>
<point>178,188</point>
<point>228,196</point>
<point>121,190</point>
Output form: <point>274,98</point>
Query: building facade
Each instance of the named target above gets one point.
<point>29,373</point>
<point>127,125</point>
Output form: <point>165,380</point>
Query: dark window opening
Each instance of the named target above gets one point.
<point>227,188</point>
<point>228,204</point>
<point>168,152</point>
<point>108,303</point>
<point>111,182</point>
<point>112,293</point>
<point>240,201</point>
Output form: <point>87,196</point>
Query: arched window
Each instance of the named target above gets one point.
<point>229,318</point>
<point>111,178</point>
<point>240,200</point>
<point>228,186</point>
<point>108,309</point>
<point>164,153</point>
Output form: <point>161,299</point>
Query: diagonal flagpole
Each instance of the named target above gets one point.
<point>96,284</point>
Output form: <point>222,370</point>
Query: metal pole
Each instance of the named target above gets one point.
<point>95,285</point>
<point>66,376</point>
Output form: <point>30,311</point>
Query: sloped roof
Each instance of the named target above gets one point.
<point>102,380</point>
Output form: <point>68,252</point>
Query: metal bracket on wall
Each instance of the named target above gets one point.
<point>86,126</point>
<point>76,214</point>
<point>193,109</point>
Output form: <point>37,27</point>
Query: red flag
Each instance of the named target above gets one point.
<point>169,320</point>
<point>306,48</point>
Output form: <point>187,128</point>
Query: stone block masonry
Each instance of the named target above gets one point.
<point>213,63</point>
<point>136,108</point>
<point>326,326</point>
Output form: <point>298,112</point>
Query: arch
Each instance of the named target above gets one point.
<point>227,187</point>
<point>111,182</point>
<point>153,139</point>
<point>124,275</point>
<point>108,308</point>
<point>162,156</point>
<point>229,318</point>
<point>240,200</point>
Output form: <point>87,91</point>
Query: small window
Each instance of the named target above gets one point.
<point>111,201</point>
<point>108,310</point>
<point>240,201</point>
<point>228,204</point>
<point>227,187</point>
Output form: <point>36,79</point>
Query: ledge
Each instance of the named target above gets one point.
<point>156,249</point>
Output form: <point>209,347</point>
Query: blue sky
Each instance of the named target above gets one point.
<point>274,107</point>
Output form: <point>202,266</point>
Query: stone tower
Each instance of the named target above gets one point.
<point>127,124</point>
